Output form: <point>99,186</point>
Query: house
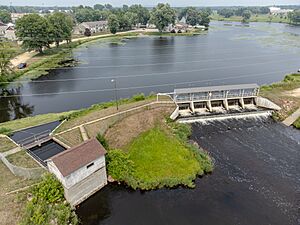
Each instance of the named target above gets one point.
<point>278,11</point>
<point>81,170</point>
<point>8,31</point>
<point>94,27</point>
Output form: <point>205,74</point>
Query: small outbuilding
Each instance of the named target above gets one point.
<point>81,170</point>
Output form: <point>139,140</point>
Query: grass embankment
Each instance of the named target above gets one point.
<point>189,33</point>
<point>97,111</point>
<point>6,144</point>
<point>56,57</point>
<point>297,123</point>
<point>14,125</point>
<point>254,18</point>
<point>12,204</point>
<point>155,158</point>
<point>285,94</point>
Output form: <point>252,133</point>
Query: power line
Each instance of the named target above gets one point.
<point>140,87</point>
<point>168,63</point>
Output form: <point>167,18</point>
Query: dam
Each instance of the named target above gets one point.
<point>216,100</point>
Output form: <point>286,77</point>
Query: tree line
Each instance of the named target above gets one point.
<point>294,17</point>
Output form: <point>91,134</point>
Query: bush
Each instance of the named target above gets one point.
<point>5,131</point>
<point>48,205</point>
<point>138,97</point>
<point>119,166</point>
<point>102,141</point>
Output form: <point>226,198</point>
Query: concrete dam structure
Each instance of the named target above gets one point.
<point>214,100</point>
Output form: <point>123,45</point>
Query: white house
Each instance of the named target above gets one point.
<point>94,27</point>
<point>81,170</point>
<point>277,11</point>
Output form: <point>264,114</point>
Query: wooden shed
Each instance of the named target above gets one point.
<point>81,170</point>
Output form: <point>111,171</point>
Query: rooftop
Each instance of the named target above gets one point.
<point>95,23</point>
<point>215,88</point>
<point>74,158</point>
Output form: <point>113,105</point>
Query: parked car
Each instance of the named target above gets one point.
<point>22,66</point>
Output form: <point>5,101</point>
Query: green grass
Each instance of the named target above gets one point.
<point>22,159</point>
<point>160,159</point>
<point>191,33</point>
<point>297,123</point>
<point>291,81</point>
<point>6,144</point>
<point>23,123</point>
<point>254,18</point>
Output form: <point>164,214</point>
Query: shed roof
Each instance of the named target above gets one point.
<point>74,158</point>
<point>214,88</point>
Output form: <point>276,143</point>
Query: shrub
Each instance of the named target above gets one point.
<point>102,141</point>
<point>119,166</point>
<point>48,205</point>
<point>5,131</point>
<point>138,97</point>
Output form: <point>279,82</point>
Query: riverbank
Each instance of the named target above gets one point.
<point>56,57</point>
<point>254,18</point>
<point>285,94</point>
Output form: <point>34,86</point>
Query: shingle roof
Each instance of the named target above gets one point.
<point>95,23</point>
<point>74,158</point>
<point>215,88</point>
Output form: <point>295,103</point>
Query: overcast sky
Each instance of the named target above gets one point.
<point>150,2</point>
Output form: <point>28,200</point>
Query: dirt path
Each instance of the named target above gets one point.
<point>294,93</point>
<point>24,57</point>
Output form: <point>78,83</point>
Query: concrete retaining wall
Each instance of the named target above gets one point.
<point>266,103</point>
<point>29,173</point>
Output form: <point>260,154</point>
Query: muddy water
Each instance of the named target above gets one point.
<point>256,181</point>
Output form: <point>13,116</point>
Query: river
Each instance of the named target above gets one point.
<point>259,53</point>
<point>256,180</point>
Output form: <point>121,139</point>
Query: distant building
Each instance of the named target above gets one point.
<point>278,11</point>
<point>15,16</point>
<point>8,31</point>
<point>81,170</point>
<point>94,27</point>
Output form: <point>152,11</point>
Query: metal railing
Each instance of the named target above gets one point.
<point>35,139</point>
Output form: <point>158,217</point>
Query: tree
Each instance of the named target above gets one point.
<point>61,26</point>
<point>205,19</point>
<point>34,32</point>
<point>5,16</point>
<point>294,17</point>
<point>132,18</point>
<point>84,15</point>
<point>87,32</point>
<point>193,16</point>
<point>162,15</point>
<point>142,13</point>
<point>226,12</point>
<point>6,53</point>
<point>113,23</point>
<point>99,7</point>
<point>108,6</point>
<point>246,15</point>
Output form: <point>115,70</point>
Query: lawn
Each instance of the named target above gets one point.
<point>6,144</point>
<point>22,159</point>
<point>160,159</point>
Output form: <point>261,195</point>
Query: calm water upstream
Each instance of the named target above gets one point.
<point>256,181</point>
<point>261,53</point>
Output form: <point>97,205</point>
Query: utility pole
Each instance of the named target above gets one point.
<point>116,92</point>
